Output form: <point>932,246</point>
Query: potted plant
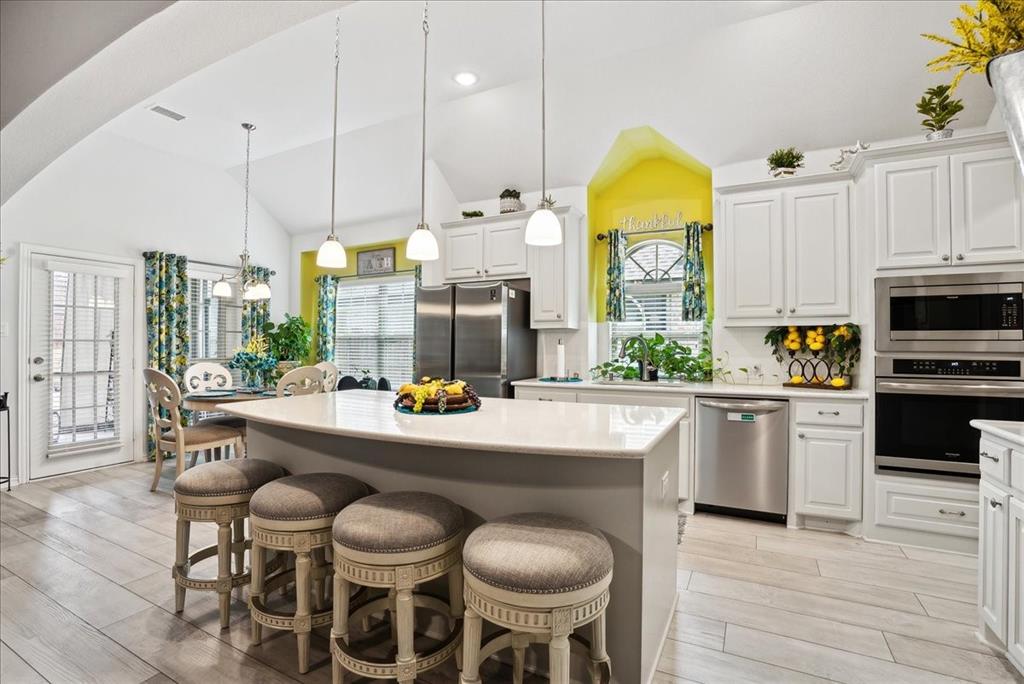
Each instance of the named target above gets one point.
<point>939,111</point>
<point>508,201</point>
<point>472,214</point>
<point>290,342</point>
<point>254,360</point>
<point>989,39</point>
<point>367,381</point>
<point>785,161</point>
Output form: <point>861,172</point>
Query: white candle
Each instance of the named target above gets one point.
<point>560,360</point>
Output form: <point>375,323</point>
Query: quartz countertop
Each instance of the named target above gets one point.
<point>560,429</point>
<point>1011,431</point>
<point>700,388</point>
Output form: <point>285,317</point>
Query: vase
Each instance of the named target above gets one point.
<point>1006,76</point>
<point>944,134</point>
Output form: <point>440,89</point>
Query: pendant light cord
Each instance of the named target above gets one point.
<point>334,146</point>
<point>423,149</point>
<point>543,117</point>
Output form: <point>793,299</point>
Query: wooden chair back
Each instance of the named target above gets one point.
<point>330,372</point>
<point>207,375</point>
<point>301,380</point>
<point>164,395</point>
<point>348,383</point>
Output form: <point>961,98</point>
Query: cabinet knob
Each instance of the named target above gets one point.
<point>943,511</point>
<point>792,309</point>
<point>478,271</point>
<point>945,257</point>
<point>800,435</point>
<point>778,310</point>
<point>959,257</point>
<point>985,454</point>
<point>558,316</point>
<point>995,504</point>
<point>485,271</point>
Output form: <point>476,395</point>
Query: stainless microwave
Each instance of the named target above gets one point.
<point>977,312</point>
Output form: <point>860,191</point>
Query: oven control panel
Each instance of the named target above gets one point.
<point>954,367</point>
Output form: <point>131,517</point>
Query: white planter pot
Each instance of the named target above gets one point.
<point>510,204</point>
<point>940,135</point>
<point>783,172</point>
<point>1006,76</point>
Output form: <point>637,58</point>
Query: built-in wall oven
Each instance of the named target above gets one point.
<point>972,313</point>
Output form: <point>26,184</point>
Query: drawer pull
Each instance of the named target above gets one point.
<point>995,504</point>
<point>543,399</point>
<point>828,413</point>
<point>943,511</point>
<point>985,454</point>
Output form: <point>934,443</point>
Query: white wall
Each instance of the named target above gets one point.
<point>113,196</point>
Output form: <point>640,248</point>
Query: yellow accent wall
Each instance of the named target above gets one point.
<point>644,175</point>
<point>308,271</point>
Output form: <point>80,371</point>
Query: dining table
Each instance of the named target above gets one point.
<point>209,399</point>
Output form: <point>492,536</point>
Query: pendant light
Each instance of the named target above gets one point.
<point>422,245</point>
<point>331,253</point>
<point>543,229</point>
<point>253,289</point>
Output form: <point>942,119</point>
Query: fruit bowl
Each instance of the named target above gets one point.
<point>437,396</point>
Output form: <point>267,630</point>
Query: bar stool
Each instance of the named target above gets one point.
<point>217,492</point>
<point>396,541</point>
<point>539,576</point>
<point>294,515</point>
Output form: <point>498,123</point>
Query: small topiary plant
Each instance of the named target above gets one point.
<point>509,193</point>
<point>785,158</point>
<point>938,108</point>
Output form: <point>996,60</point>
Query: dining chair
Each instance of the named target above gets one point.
<point>301,380</point>
<point>348,382</point>
<point>330,372</point>
<point>384,385</point>
<point>207,375</point>
<point>171,436</point>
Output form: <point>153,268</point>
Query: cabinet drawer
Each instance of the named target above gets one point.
<point>530,394</point>
<point>847,414</point>
<point>927,508</point>
<point>994,460</point>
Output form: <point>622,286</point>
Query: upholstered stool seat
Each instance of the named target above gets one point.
<point>538,576</point>
<point>396,541</point>
<point>217,492</point>
<point>294,514</point>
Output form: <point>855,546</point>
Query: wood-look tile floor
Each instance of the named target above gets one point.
<point>86,596</point>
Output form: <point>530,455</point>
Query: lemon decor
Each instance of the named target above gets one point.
<point>829,354</point>
<point>988,29</point>
<point>437,395</point>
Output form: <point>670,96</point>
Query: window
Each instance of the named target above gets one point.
<point>653,275</point>
<point>86,376</point>
<point>215,323</point>
<point>373,327</point>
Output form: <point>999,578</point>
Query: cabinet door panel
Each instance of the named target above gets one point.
<point>817,223</point>
<point>754,260</point>
<point>828,472</point>
<point>463,253</point>
<point>547,297</point>
<point>992,560</point>
<point>987,207</point>
<point>912,213</point>
<point>1015,581</point>
<point>505,249</point>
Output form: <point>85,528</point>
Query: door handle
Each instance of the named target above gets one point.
<point>38,377</point>
<point>828,413</point>
<point>943,511</point>
<point>985,454</point>
<point>744,406</point>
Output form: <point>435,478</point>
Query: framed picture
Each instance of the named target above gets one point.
<point>375,261</point>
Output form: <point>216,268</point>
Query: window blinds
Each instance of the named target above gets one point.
<point>374,328</point>
<point>215,323</point>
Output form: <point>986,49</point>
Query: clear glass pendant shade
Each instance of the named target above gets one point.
<point>543,229</point>
<point>421,246</point>
<point>331,254</point>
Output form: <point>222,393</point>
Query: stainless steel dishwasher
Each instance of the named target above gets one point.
<point>743,456</point>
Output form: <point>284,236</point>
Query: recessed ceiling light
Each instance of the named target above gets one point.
<point>465,78</point>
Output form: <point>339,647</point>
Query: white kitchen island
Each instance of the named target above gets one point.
<point>615,467</point>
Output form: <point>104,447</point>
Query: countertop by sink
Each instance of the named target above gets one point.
<point>700,388</point>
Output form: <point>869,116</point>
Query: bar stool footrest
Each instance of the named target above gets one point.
<point>378,668</point>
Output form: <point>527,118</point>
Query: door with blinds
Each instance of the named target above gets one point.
<point>81,400</point>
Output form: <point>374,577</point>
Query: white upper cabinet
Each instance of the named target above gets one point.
<point>753,256</point>
<point>817,220</point>
<point>912,212</point>
<point>481,251</point>
<point>463,251</point>
<point>786,254</point>
<point>505,248</point>
<point>987,207</point>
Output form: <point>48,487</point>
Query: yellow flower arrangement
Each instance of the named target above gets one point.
<point>987,30</point>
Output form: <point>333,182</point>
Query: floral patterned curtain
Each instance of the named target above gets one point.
<point>326,302</point>
<point>255,312</point>
<point>615,303</point>
<point>167,330</point>
<point>695,305</point>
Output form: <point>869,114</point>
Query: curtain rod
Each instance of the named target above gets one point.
<point>707,228</point>
<point>377,275</point>
<point>196,262</point>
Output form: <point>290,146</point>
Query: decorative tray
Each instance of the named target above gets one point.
<point>554,378</point>
<point>437,396</point>
<point>817,386</point>
<point>468,409</point>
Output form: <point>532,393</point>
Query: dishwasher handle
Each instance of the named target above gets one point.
<point>765,406</point>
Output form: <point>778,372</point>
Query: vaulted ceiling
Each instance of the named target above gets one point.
<point>725,81</point>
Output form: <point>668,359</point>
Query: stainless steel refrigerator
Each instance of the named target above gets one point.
<point>477,332</point>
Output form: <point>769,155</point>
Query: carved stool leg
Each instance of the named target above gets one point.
<point>519,644</point>
<point>558,657</point>
<point>471,630</point>
<point>600,665</point>
<point>181,560</point>
<point>339,629</point>
<point>224,571</point>
<point>318,582</point>
<point>456,604</point>
<point>239,543</point>
<point>259,569</point>
<point>393,614</point>
<point>302,608</point>
<point>406,632</point>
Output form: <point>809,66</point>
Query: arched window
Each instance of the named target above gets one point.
<point>653,273</point>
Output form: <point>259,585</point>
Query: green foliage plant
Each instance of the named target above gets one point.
<point>938,108</point>
<point>785,158</point>
<point>291,340</point>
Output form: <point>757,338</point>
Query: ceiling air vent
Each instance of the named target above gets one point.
<point>164,111</point>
